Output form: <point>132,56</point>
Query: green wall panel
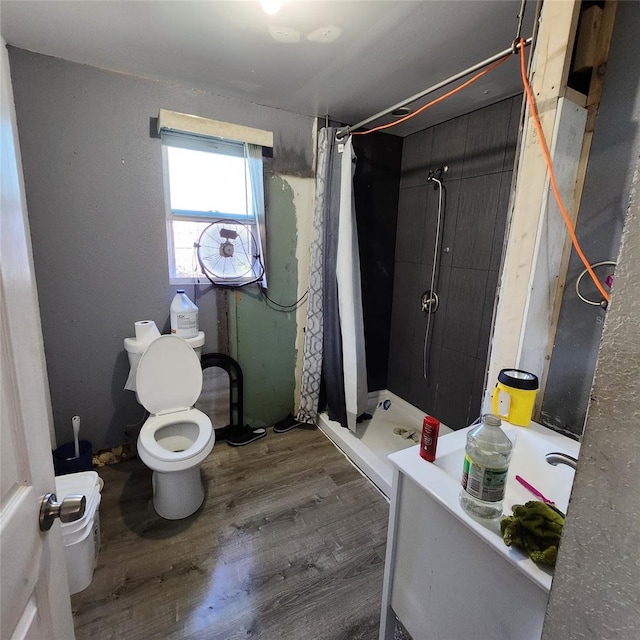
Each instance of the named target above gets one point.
<point>263,336</point>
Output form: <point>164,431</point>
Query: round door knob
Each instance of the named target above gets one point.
<point>72,508</point>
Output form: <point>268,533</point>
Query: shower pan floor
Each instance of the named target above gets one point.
<point>376,440</point>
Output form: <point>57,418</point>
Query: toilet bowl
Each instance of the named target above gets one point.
<point>176,438</point>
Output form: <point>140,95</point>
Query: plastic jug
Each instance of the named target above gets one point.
<point>521,387</point>
<point>184,316</point>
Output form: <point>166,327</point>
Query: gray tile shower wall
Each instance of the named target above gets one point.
<point>479,150</point>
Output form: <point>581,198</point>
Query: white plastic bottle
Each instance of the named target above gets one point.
<point>184,316</point>
<point>484,474</point>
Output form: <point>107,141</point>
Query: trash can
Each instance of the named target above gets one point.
<point>64,460</point>
<point>82,537</point>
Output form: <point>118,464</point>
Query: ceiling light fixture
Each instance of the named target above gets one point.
<point>271,7</point>
<point>401,111</point>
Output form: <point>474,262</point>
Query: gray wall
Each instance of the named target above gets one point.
<point>614,150</point>
<point>479,150</point>
<point>94,189</point>
<point>596,589</point>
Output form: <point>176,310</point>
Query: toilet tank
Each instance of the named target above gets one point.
<point>196,343</point>
<point>135,349</point>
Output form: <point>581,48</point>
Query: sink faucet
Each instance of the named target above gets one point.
<point>556,457</point>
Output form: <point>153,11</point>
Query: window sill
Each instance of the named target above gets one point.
<point>188,280</point>
<point>204,281</point>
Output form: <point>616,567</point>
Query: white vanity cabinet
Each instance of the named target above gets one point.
<point>448,577</point>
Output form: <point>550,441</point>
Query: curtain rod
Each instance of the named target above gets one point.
<point>512,49</point>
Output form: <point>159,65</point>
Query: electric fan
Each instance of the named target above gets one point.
<point>228,253</point>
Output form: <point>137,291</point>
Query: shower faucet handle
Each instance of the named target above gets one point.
<point>429,302</point>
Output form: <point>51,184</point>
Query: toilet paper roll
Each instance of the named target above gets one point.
<point>146,331</point>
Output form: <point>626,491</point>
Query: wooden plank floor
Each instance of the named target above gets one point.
<point>289,544</point>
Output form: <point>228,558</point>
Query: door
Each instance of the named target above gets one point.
<point>34,594</point>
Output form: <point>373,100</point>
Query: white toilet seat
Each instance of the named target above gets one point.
<point>169,381</point>
<point>157,458</point>
<point>169,376</point>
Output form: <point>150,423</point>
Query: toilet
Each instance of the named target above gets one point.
<point>176,438</point>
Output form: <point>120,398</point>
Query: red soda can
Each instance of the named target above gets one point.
<point>429,439</point>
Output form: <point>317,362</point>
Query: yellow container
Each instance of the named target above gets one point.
<point>522,388</point>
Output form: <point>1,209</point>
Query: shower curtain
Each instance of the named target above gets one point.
<point>334,334</point>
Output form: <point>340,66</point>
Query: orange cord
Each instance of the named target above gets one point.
<point>552,177</point>
<point>434,102</point>
<point>543,144</point>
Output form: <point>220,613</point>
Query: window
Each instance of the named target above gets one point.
<point>214,198</point>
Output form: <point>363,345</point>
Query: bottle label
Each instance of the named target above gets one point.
<point>186,321</point>
<point>483,483</point>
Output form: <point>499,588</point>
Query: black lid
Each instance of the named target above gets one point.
<point>518,379</point>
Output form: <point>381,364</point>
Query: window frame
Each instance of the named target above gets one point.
<point>207,143</point>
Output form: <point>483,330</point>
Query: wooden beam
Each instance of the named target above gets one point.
<point>565,148</point>
<point>586,46</point>
<point>600,61</point>
<point>575,96</point>
<point>549,70</point>
<point>592,103</point>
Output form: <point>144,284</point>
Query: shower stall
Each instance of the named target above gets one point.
<point>431,213</point>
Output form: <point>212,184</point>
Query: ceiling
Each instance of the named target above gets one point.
<point>348,59</point>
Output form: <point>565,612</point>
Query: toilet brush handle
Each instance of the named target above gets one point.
<point>75,423</point>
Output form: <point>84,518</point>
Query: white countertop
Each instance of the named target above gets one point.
<point>441,480</point>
